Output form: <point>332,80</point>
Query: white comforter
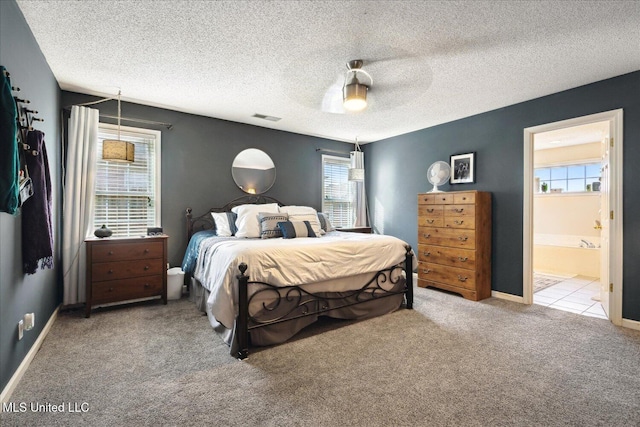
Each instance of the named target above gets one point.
<point>282,262</point>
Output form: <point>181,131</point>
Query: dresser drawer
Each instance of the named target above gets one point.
<point>126,289</point>
<point>446,274</point>
<point>126,269</point>
<point>460,211</point>
<point>127,251</point>
<point>457,238</point>
<point>463,258</point>
<point>460,222</point>
<point>435,199</point>
<point>426,221</point>
<point>464,198</point>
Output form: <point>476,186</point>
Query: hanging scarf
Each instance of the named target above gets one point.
<point>37,225</point>
<point>9,159</point>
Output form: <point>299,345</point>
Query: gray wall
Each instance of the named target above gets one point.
<point>38,293</point>
<point>396,171</point>
<point>197,154</point>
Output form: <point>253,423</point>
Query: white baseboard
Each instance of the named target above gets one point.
<point>17,376</point>
<point>631,324</point>
<point>508,297</point>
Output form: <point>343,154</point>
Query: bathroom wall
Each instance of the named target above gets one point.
<point>562,220</point>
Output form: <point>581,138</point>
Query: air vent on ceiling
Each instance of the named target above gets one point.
<point>270,118</point>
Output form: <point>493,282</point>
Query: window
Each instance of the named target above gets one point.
<point>337,191</point>
<point>574,178</point>
<point>127,198</point>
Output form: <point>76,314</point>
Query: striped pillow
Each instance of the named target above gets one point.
<point>325,224</point>
<point>224,223</point>
<point>293,229</point>
<point>269,224</point>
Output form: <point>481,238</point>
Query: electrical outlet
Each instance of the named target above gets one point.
<point>20,329</point>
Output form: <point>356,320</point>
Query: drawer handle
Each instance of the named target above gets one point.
<point>426,236</point>
<point>458,210</point>
<point>462,279</point>
<point>110,271</point>
<point>426,253</point>
<point>464,198</point>
<point>426,199</point>
<point>146,251</point>
<point>458,222</point>
<point>430,210</point>
<point>110,252</point>
<point>146,267</point>
<point>110,289</point>
<point>427,271</point>
<point>430,221</point>
<point>146,285</point>
<point>463,238</point>
<point>463,259</point>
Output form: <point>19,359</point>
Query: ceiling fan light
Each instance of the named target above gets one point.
<point>355,96</point>
<point>119,151</point>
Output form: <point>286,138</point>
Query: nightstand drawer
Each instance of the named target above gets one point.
<point>126,269</point>
<point>126,289</point>
<point>127,251</point>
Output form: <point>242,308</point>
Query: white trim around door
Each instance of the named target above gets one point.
<point>615,231</point>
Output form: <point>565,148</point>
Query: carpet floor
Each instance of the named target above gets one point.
<point>448,362</point>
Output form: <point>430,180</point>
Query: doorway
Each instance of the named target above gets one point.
<point>590,232</point>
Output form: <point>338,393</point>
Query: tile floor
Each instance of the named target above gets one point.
<point>574,295</point>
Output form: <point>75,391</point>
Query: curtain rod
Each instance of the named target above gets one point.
<point>129,119</point>
<point>148,122</point>
<point>323,150</point>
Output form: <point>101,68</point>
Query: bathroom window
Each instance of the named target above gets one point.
<point>569,178</point>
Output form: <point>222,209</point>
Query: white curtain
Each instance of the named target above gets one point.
<point>77,211</point>
<point>357,174</point>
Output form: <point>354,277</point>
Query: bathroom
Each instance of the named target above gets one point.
<point>566,208</point>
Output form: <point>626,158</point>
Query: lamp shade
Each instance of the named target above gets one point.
<point>356,171</point>
<point>355,96</point>
<point>119,151</point>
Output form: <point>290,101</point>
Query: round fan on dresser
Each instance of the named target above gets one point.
<point>438,174</point>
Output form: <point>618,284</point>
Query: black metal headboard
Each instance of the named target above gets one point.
<point>205,221</point>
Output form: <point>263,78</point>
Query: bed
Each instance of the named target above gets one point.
<point>262,291</point>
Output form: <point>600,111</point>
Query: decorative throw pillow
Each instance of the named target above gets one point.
<point>247,221</point>
<point>269,224</point>
<point>224,223</point>
<point>293,229</point>
<point>325,224</point>
<point>304,213</point>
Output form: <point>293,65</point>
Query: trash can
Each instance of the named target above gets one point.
<point>175,279</point>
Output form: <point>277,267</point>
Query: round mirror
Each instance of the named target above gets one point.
<point>253,171</point>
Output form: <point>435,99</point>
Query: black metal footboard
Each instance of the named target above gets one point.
<point>286,303</point>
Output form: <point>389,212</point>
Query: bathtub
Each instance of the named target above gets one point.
<point>563,255</point>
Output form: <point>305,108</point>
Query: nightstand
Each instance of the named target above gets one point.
<point>121,269</point>
<point>364,230</point>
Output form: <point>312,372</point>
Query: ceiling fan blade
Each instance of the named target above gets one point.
<point>332,98</point>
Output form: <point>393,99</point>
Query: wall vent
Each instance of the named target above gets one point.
<point>270,118</point>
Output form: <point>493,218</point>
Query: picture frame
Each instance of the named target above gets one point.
<point>463,170</point>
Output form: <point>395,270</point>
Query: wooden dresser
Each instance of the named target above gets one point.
<point>454,242</point>
<point>121,269</point>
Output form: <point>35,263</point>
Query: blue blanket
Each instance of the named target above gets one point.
<point>190,256</point>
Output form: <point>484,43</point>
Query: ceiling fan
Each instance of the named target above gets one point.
<point>349,92</point>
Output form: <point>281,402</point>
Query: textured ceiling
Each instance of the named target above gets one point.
<point>431,61</point>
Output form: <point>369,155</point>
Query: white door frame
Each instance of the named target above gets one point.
<point>615,231</point>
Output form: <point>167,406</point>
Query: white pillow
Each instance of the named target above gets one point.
<point>247,221</point>
<point>304,213</point>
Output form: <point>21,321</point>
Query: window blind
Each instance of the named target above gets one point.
<point>337,191</point>
<point>127,194</point>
